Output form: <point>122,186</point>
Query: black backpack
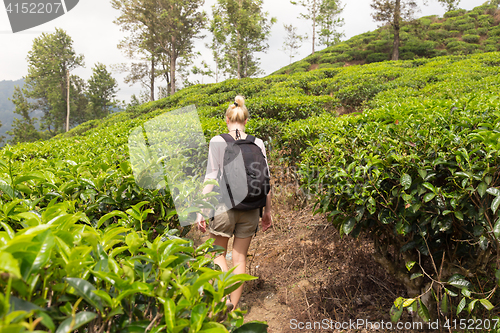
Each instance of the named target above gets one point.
<point>244,183</point>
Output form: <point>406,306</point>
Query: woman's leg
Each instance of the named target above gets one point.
<point>221,260</point>
<point>240,250</point>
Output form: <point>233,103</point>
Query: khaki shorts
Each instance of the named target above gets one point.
<point>240,223</point>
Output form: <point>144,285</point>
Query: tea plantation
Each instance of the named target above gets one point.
<point>414,166</point>
<point>458,32</point>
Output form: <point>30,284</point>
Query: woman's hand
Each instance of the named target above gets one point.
<point>200,221</point>
<point>266,221</point>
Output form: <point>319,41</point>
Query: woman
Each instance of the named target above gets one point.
<point>226,223</point>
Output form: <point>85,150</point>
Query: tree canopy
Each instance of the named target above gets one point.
<point>45,90</point>
<point>322,14</point>
<point>246,28</point>
<point>51,56</point>
<point>164,28</point>
<point>102,88</point>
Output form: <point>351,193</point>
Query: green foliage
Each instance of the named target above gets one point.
<point>421,48</point>
<point>23,129</point>
<point>292,42</point>
<point>417,173</point>
<point>290,107</point>
<point>329,22</point>
<point>417,165</point>
<point>494,31</point>
<point>45,87</point>
<point>455,13</point>
<point>321,66</point>
<point>377,57</point>
<point>466,26</point>
<point>327,58</point>
<point>46,90</point>
<point>407,55</point>
<point>162,32</point>
<point>439,34</point>
<point>323,15</point>
<point>246,28</point>
<point>102,88</point>
<point>425,37</point>
<point>458,47</point>
<point>435,26</point>
<point>470,38</point>
<point>61,271</point>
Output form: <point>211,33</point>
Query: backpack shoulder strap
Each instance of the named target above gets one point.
<point>250,138</point>
<point>227,137</point>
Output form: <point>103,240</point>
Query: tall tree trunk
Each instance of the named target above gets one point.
<point>152,97</point>
<point>397,20</point>
<point>172,74</point>
<point>245,74</point>
<point>238,46</point>
<point>314,24</point>
<point>216,70</point>
<point>238,55</point>
<point>167,76</point>
<point>67,102</point>
<point>238,64</point>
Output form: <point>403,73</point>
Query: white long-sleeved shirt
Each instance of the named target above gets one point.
<point>216,150</point>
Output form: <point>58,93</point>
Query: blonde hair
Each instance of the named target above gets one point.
<point>237,112</point>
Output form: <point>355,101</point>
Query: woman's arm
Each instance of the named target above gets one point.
<point>200,219</point>
<point>266,218</point>
<point>212,170</point>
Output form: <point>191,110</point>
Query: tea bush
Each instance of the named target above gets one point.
<point>418,174</point>
<point>455,13</point>
<point>424,37</point>
<point>470,38</point>
<point>439,34</point>
<point>376,57</point>
<point>60,273</point>
<point>425,138</point>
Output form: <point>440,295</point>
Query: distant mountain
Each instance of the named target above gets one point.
<point>459,32</point>
<point>7,107</point>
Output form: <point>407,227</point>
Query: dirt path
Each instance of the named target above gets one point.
<point>308,274</point>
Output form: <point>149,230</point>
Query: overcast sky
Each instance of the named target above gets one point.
<point>90,25</point>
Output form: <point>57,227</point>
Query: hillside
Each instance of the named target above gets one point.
<point>458,32</point>
<point>410,171</point>
<point>7,107</point>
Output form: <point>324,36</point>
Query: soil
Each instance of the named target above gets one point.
<point>308,273</point>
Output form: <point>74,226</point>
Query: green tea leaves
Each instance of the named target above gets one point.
<point>85,290</point>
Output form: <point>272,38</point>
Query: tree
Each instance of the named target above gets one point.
<point>163,27</point>
<point>184,70</point>
<point>146,73</point>
<point>245,31</point>
<point>102,88</point>
<point>177,25</point>
<point>312,11</point>
<point>204,70</point>
<point>394,12</point>
<point>450,4</point>
<point>51,56</point>
<point>329,22</point>
<point>293,41</point>
<point>137,17</point>
<point>216,27</point>
<point>79,101</point>
<point>23,129</point>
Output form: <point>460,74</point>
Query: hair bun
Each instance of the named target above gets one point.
<point>240,100</point>
<point>237,112</point>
